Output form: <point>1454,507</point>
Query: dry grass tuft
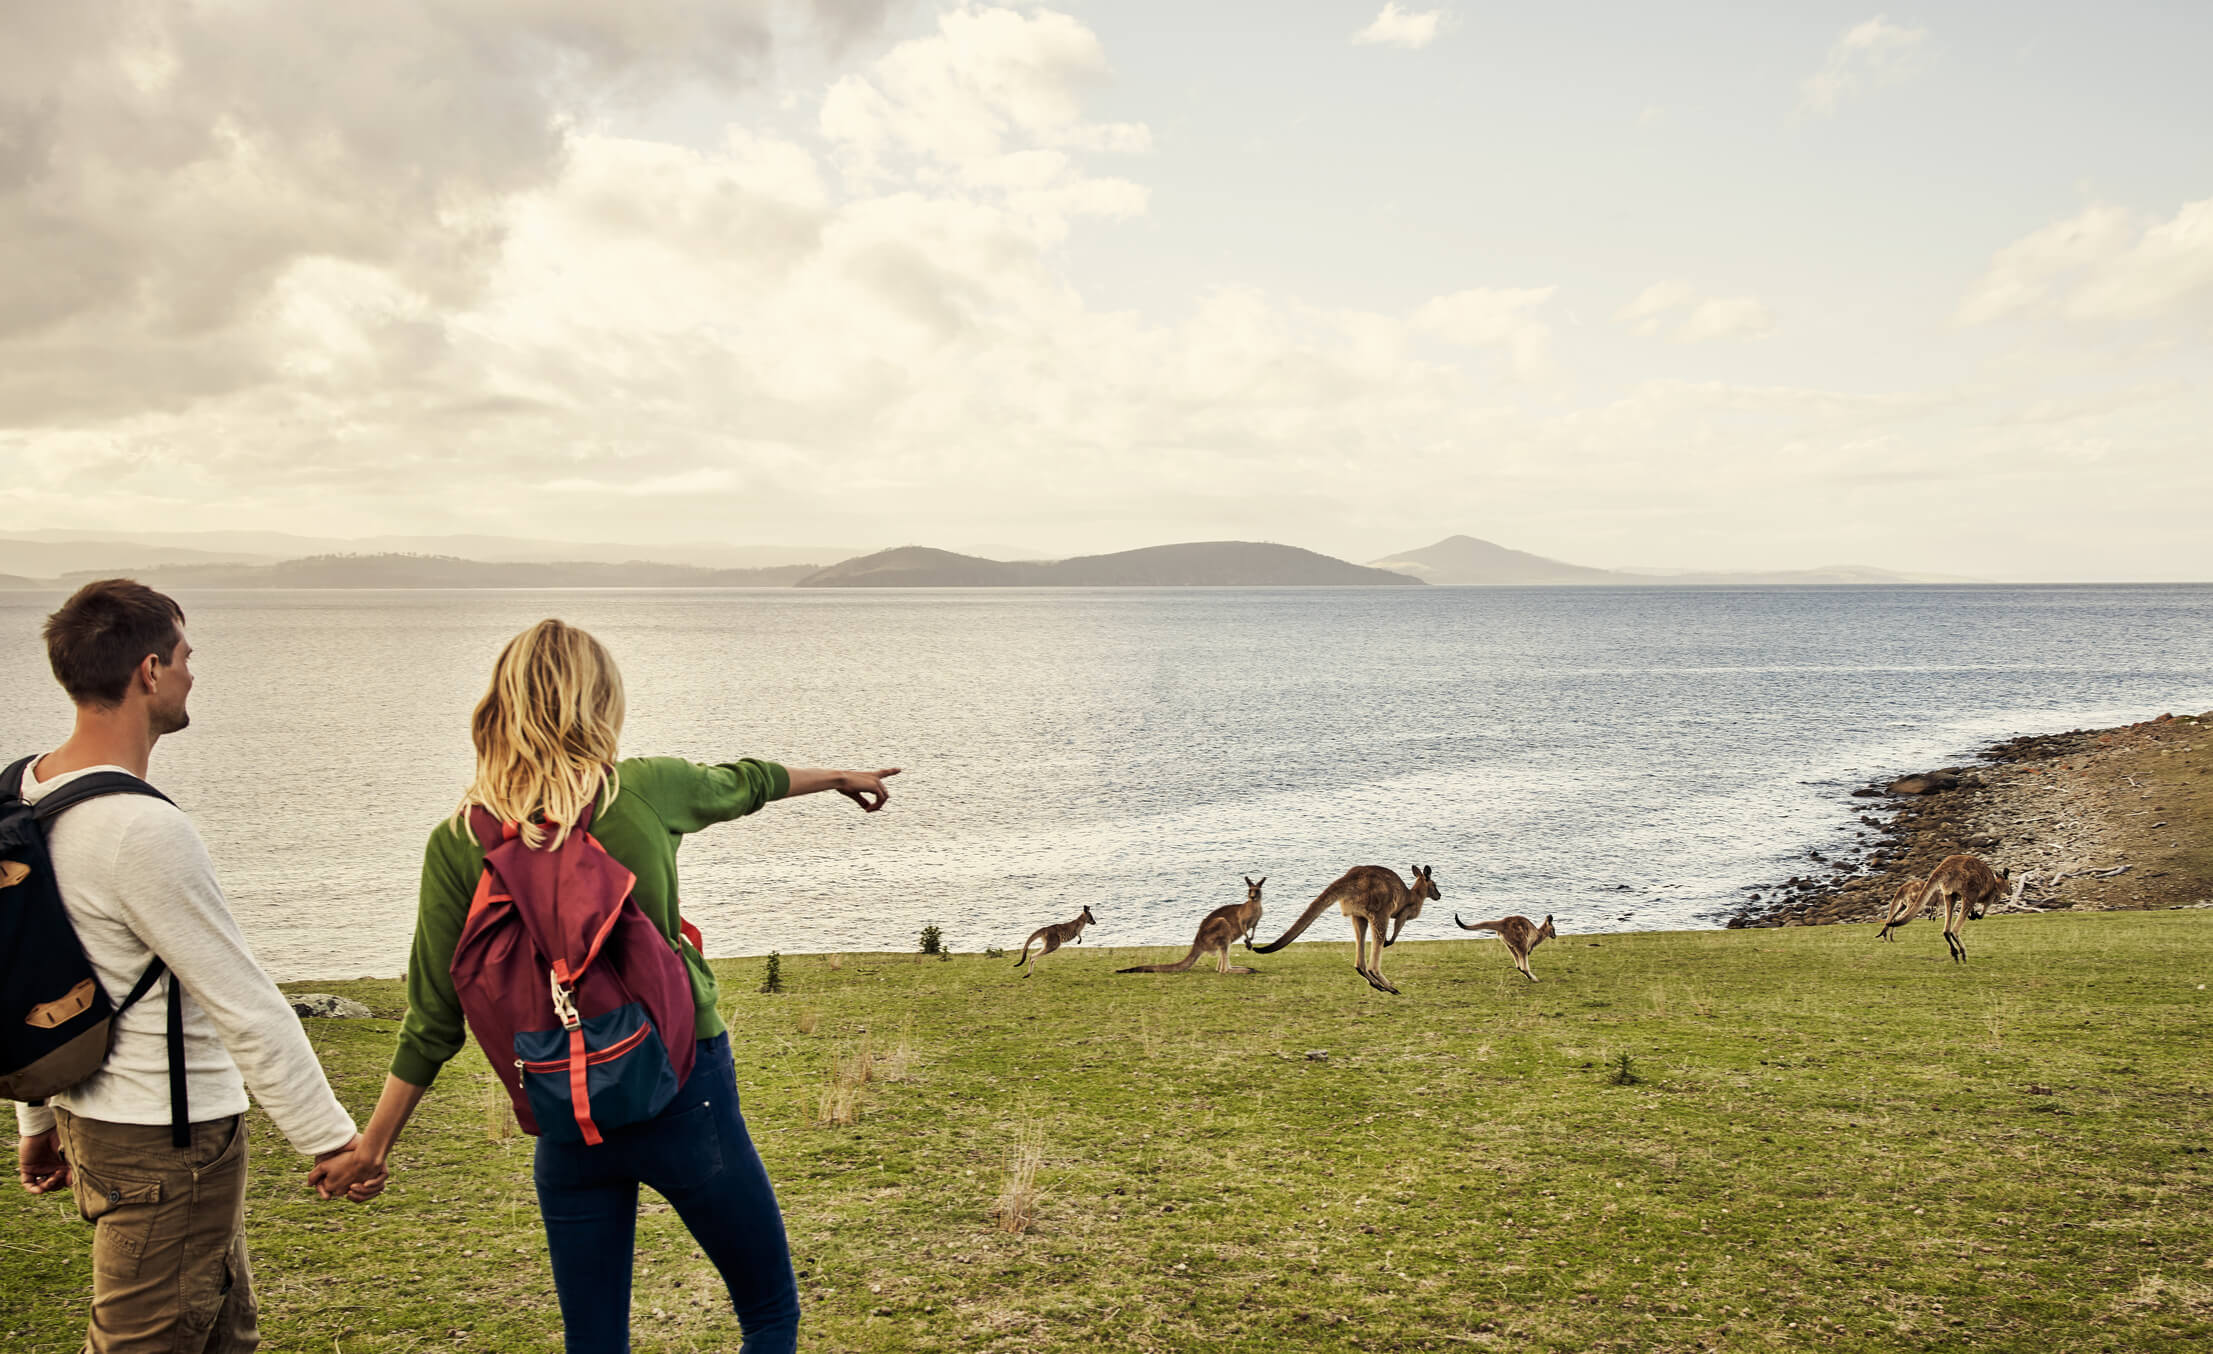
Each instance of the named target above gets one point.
<point>1019,1193</point>
<point>499,1113</point>
<point>846,1085</point>
<point>834,962</point>
<point>898,1065</point>
<point>808,1020</point>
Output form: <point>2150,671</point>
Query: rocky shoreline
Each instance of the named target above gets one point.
<point>2093,819</point>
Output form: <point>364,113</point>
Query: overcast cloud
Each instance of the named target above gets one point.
<point>789,273</point>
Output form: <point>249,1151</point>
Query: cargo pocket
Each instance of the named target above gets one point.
<point>121,1210</point>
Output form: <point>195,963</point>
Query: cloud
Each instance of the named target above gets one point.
<point>164,168</point>
<point>1713,318</point>
<point>2102,264</point>
<point>1870,54</point>
<point>1395,27</point>
<point>1487,317</point>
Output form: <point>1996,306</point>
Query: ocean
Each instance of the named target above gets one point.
<point>1622,758</point>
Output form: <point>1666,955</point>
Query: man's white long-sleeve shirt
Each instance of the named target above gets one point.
<point>137,882</point>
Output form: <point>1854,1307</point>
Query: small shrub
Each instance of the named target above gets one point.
<point>933,942</point>
<point>1625,1070</point>
<point>773,981</point>
<point>994,952</point>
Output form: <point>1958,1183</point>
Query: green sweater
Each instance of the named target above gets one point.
<point>660,800</point>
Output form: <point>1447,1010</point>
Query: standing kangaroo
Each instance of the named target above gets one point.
<point>1371,896</point>
<point>1055,936</point>
<point>1967,888</point>
<point>1520,934</point>
<point>1218,932</point>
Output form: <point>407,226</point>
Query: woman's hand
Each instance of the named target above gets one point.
<point>40,1165</point>
<point>866,788</point>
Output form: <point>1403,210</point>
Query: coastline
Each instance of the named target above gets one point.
<point>2096,820</point>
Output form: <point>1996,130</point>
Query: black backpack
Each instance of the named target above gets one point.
<point>55,1019</point>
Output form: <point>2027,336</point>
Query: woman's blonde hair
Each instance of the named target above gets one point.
<point>546,733</point>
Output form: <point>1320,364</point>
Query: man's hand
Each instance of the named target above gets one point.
<point>39,1163</point>
<point>866,788</point>
<point>346,1171</point>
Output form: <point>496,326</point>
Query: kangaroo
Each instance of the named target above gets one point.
<point>1055,936</point>
<point>1967,888</point>
<point>1218,932</point>
<point>1369,895</point>
<point>1520,934</point>
<point>1905,905</point>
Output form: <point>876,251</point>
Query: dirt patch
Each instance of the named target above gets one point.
<point>2095,819</point>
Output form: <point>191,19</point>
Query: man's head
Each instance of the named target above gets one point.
<point>118,644</point>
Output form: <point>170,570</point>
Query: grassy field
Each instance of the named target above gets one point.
<point>1817,1142</point>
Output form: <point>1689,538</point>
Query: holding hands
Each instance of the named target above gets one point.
<point>39,1163</point>
<point>350,1171</point>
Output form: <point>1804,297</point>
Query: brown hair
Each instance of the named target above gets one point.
<point>103,632</point>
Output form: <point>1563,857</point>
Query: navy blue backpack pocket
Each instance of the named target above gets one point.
<point>609,1072</point>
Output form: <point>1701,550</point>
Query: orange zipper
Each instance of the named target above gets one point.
<point>606,1054</point>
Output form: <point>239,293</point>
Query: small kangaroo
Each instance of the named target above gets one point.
<point>1967,888</point>
<point>1218,932</point>
<point>1371,896</point>
<point>1520,934</point>
<point>1055,936</point>
<point>1905,905</point>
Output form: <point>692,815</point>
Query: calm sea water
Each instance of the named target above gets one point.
<point>1139,750</point>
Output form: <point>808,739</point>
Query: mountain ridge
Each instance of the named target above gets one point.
<point>1199,564</point>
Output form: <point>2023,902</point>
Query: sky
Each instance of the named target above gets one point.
<point>1693,286</point>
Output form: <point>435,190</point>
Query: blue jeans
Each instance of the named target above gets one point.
<point>697,1155</point>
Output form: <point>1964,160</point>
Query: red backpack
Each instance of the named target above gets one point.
<point>583,1007</point>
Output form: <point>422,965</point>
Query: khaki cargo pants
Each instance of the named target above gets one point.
<point>169,1272</point>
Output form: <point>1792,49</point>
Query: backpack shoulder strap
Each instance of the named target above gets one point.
<point>95,786</point>
<point>11,780</point>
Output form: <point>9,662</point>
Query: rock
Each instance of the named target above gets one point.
<point>324,1006</point>
<point>1927,783</point>
<point>1866,792</point>
<point>1317,1055</point>
<point>1982,841</point>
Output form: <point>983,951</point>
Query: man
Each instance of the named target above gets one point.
<point>169,1268</point>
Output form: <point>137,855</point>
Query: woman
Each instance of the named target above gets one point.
<point>545,738</point>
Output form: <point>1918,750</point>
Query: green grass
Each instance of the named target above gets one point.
<point>1823,1142</point>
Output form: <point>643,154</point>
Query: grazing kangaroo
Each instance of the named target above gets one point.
<point>1218,932</point>
<point>1967,888</point>
<point>1055,936</point>
<point>1371,896</point>
<point>1520,934</point>
<point>1905,905</point>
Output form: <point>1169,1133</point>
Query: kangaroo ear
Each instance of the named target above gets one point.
<point>1248,880</point>
<point>1263,880</point>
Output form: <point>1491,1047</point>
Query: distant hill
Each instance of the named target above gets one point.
<point>1466,560</point>
<point>1201,564</point>
<point>444,571</point>
<point>82,550</point>
<point>12,581</point>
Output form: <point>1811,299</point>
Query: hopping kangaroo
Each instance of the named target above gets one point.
<point>1967,888</point>
<point>1371,896</point>
<point>1520,934</point>
<point>1905,905</point>
<point>1219,931</point>
<point>1055,936</point>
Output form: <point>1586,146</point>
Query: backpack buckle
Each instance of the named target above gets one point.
<point>564,1004</point>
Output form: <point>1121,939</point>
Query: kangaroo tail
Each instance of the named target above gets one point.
<point>1306,919</point>
<point>1025,951</point>
<point>1475,925</point>
<point>1177,967</point>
